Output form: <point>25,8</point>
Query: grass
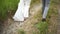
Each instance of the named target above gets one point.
<point>42,27</point>
<point>7,5</point>
<point>35,2</point>
<point>20,31</point>
<point>52,15</point>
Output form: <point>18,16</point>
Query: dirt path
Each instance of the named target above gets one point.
<point>11,27</point>
<point>58,24</point>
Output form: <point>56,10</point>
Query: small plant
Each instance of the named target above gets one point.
<point>43,27</point>
<point>20,31</point>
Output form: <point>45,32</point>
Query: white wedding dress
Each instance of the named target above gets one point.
<point>22,10</point>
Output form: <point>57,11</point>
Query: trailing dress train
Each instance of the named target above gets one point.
<point>22,10</point>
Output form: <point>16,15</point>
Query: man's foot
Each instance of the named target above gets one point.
<point>43,19</point>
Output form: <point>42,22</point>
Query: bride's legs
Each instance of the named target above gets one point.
<point>22,11</point>
<point>26,8</point>
<point>19,13</point>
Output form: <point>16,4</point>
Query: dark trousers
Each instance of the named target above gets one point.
<point>45,8</point>
<point>45,4</point>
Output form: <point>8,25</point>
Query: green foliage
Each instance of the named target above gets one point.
<point>20,31</point>
<point>7,5</point>
<point>43,27</point>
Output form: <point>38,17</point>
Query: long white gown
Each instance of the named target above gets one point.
<point>22,11</point>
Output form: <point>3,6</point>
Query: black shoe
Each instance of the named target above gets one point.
<point>43,20</point>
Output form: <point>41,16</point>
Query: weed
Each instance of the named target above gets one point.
<point>20,31</point>
<point>43,27</point>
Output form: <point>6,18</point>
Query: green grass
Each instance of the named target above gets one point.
<point>7,5</point>
<point>42,27</point>
<point>20,31</point>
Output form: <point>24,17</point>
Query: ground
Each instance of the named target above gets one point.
<point>58,23</point>
<point>11,27</point>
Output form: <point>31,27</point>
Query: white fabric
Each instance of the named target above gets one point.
<point>22,11</point>
<point>26,8</point>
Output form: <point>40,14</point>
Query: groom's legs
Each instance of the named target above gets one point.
<point>43,4</point>
<point>47,3</point>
